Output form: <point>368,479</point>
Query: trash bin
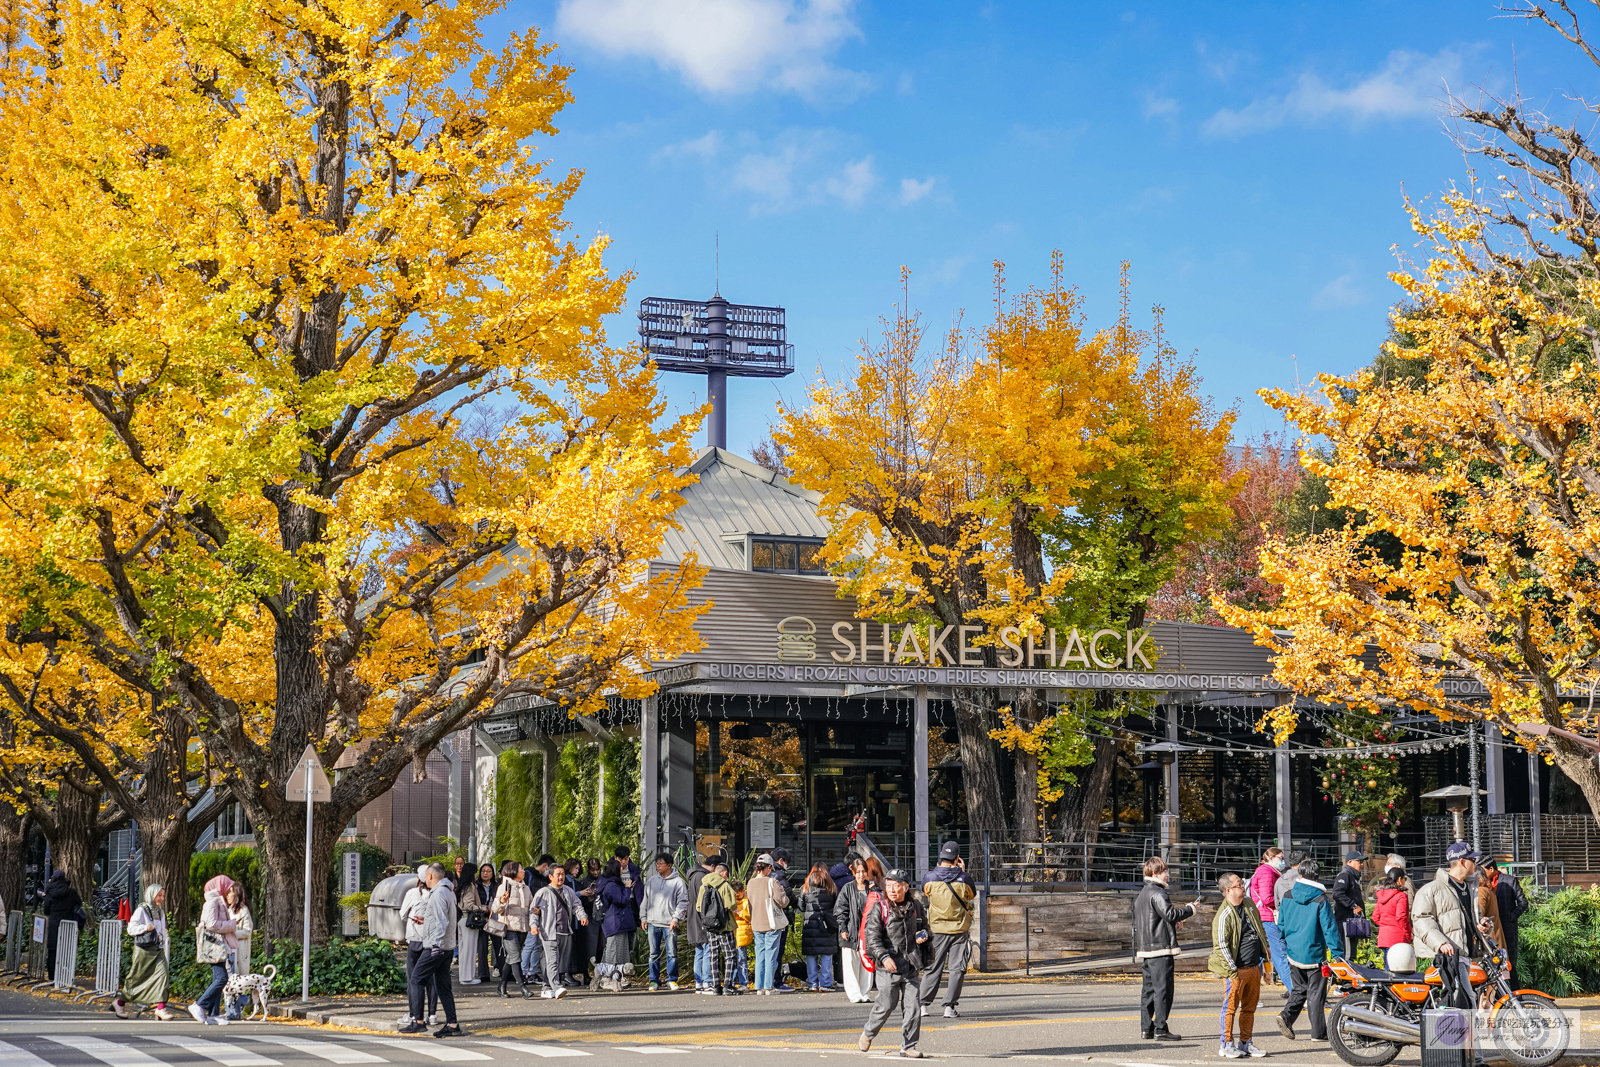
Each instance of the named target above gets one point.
<point>383,910</point>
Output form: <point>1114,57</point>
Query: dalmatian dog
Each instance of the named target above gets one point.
<point>258,987</point>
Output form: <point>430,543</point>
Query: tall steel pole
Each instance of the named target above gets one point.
<point>1472,780</point>
<point>305,945</point>
<point>717,369</point>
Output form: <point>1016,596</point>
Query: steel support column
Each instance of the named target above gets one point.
<point>650,773</point>
<point>919,757</point>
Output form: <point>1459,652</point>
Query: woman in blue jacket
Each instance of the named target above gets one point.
<point>620,922</point>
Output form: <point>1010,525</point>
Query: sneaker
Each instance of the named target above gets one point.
<point>198,1012</point>
<point>652,988</point>
<point>672,986</point>
<point>560,992</point>
<point>403,1021</point>
<point>545,994</point>
<point>448,1030</point>
<point>924,1010</point>
<point>414,1028</point>
<point>433,1020</point>
<point>1249,1049</point>
<point>951,1013</point>
<point>911,1054</point>
<point>218,1020</point>
<point>1284,1028</point>
<point>1229,1051</point>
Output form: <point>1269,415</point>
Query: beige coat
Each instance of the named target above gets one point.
<point>1436,915</point>
<point>511,904</point>
<point>758,892</point>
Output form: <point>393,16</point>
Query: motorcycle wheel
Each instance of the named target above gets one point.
<point>1536,1036</point>
<point>1354,1049</point>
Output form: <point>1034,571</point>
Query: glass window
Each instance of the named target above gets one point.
<point>761,556</point>
<point>809,561</point>
<point>785,552</point>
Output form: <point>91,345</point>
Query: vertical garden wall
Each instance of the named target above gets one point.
<point>596,793</point>
<point>518,786</point>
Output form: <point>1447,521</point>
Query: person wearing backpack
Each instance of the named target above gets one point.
<point>950,891</point>
<point>768,921</point>
<point>894,931</point>
<point>693,931</point>
<point>715,906</point>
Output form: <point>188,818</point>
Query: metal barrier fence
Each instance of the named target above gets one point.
<point>1006,864</point>
<point>1571,842</point>
<point>13,942</point>
<point>36,946</point>
<point>107,963</point>
<point>66,955</point>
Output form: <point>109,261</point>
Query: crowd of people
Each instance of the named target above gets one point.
<point>865,930</point>
<point>1285,921</point>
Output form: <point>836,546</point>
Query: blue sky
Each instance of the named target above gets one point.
<point>1249,159</point>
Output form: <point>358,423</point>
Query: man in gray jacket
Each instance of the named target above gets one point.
<point>437,919</point>
<point>666,904</point>
<point>560,913</point>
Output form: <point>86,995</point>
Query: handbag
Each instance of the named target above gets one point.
<point>209,946</point>
<point>1358,928</point>
<point>494,927</point>
<point>777,918</point>
<point>147,940</point>
<point>477,920</point>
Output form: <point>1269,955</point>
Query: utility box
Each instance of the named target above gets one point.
<point>383,911</point>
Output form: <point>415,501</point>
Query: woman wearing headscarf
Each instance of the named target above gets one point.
<point>215,944</point>
<point>146,981</point>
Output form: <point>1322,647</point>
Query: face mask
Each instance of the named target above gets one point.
<point>1279,863</point>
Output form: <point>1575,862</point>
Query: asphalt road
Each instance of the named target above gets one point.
<point>1077,1019</point>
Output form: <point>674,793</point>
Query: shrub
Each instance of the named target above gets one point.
<point>341,967</point>
<point>1559,942</point>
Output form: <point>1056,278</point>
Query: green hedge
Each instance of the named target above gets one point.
<point>1558,942</point>
<point>519,802</point>
<point>359,965</point>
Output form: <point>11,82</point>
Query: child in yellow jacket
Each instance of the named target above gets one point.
<point>743,937</point>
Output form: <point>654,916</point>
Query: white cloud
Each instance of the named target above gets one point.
<point>851,185</point>
<point>912,190</point>
<point>723,46</point>
<point>1164,107</point>
<point>705,146</point>
<point>1342,292</point>
<point>1402,89</point>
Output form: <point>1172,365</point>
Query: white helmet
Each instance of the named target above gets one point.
<point>1402,958</point>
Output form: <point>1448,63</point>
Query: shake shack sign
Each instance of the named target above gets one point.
<point>897,644</point>
<point>956,677</point>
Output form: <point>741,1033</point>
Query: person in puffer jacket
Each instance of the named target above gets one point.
<point>1261,893</point>
<point>950,891</point>
<point>847,910</point>
<point>895,930</point>
<point>215,919</point>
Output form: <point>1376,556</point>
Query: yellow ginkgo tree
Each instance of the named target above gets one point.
<point>259,259</point>
<point>1462,577</point>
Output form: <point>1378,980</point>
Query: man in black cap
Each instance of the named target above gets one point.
<point>950,891</point>
<point>1347,900</point>
<point>894,931</point>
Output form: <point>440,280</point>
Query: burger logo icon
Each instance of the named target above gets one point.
<point>797,640</point>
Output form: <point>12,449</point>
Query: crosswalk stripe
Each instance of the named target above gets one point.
<point>108,1051</point>
<point>437,1049</point>
<point>546,1051</point>
<point>12,1056</point>
<point>221,1051</point>
<point>326,1050</point>
<point>648,1050</point>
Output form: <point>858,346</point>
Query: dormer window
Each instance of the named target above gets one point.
<point>789,556</point>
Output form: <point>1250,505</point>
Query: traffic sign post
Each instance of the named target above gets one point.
<point>309,783</point>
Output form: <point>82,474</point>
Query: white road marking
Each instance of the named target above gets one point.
<point>224,1053</point>
<point>327,1050</point>
<point>647,1049</point>
<point>546,1051</point>
<point>437,1049</point>
<point>12,1056</point>
<point>108,1051</point>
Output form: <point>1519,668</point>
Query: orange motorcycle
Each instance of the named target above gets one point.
<point>1381,1011</point>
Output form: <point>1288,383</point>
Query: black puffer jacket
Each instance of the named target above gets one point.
<point>896,939</point>
<point>819,934</point>
<point>60,899</point>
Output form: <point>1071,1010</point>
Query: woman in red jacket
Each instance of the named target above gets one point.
<point>1393,913</point>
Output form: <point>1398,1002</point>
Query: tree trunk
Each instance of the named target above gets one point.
<point>77,836</point>
<point>980,771</point>
<point>13,859</point>
<point>283,872</point>
<point>167,834</point>
<point>1581,767</point>
<point>1025,709</point>
<point>1083,804</point>
<point>167,844</point>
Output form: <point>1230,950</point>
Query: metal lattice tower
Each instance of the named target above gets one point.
<point>717,339</point>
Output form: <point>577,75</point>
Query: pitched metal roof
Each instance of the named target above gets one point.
<point>734,498</point>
